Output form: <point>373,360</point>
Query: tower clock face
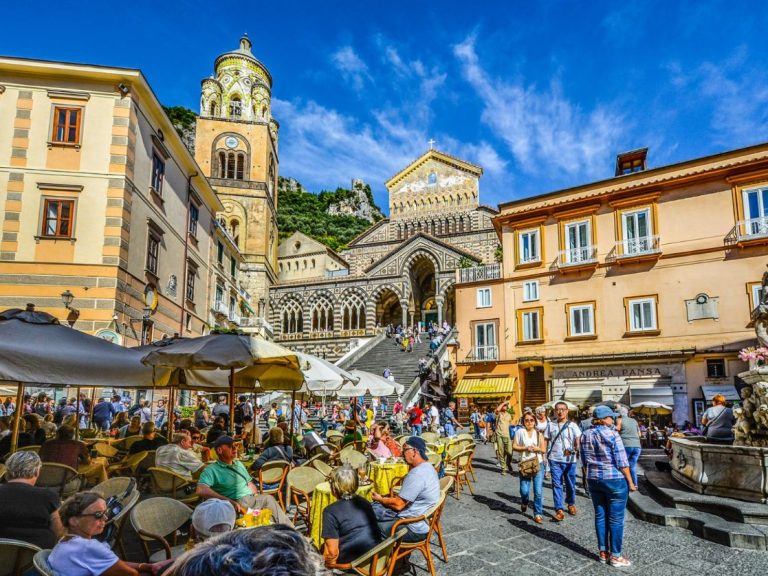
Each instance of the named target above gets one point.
<point>231,142</point>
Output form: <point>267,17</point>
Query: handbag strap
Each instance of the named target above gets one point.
<point>709,424</point>
<point>559,433</point>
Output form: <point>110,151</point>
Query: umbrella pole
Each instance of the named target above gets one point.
<point>18,413</point>
<point>170,411</point>
<point>293,412</point>
<point>93,402</point>
<point>232,401</point>
<point>78,404</point>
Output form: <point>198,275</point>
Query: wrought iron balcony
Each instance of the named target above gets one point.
<point>577,257</point>
<point>483,354</point>
<point>751,229</point>
<point>633,247</point>
<point>480,273</point>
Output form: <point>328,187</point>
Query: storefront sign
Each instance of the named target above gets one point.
<point>641,371</point>
<point>463,403</point>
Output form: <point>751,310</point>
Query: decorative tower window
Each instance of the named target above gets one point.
<point>235,108</point>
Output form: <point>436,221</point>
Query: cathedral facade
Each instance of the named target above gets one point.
<point>402,270</point>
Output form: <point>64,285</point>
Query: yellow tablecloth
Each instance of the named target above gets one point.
<point>440,446</point>
<point>322,498</point>
<point>383,475</point>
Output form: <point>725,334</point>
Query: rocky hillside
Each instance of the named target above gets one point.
<point>183,119</point>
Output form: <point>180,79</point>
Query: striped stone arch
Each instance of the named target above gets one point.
<point>370,306</point>
<point>321,310</point>
<point>291,315</point>
<point>445,285</point>
<point>352,309</point>
<point>415,255</point>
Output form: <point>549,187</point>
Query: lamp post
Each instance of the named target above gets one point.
<point>146,326</point>
<point>66,298</point>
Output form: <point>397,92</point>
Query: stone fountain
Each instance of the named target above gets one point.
<point>739,471</point>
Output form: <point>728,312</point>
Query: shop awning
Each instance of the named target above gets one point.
<point>485,387</point>
<point>660,394</point>
<point>727,390</point>
<point>583,394</point>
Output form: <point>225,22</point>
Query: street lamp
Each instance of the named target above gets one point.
<point>146,325</point>
<point>66,298</point>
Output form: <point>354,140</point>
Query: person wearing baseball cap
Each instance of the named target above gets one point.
<point>420,492</point>
<point>610,483</point>
<point>228,479</point>
<point>213,517</point>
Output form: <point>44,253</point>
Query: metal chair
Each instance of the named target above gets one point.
<point>40,560</point>
<point>274,473</point>
<point>457,466</point>
<point>403,549</point>
<point>65,479</point>
<point>154,520</point>
<point>172,485</point>
<point>119,521</point>
<point>16,557</point>
<point>301,484</point>
<point>445,486</point>
<point>377,561</point>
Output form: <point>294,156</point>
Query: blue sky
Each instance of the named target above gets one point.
<point>542,95</point>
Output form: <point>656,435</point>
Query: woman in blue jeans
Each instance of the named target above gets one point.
<point>532,444</point>
<point>610,483</point>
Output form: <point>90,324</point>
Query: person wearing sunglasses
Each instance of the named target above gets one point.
<point>84,516</point>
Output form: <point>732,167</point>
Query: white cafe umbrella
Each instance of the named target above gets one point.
<point>370,383</point>
<point>650,408</point>
<point>321,375</point>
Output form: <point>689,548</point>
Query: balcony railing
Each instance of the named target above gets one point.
<point>234,317</point>
<point>220,308</point>
<point>752,228</point>
<point>261,324</point>
<point>577,256</point>
<point>632,247</point>
<point>480,273</point>
<point>483,354</point>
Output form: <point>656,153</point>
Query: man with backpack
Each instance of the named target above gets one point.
<point>242,409</point>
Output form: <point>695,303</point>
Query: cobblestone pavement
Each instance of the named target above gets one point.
<point>487,534</point>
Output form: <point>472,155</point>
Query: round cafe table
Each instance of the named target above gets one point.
<point>322,498</point>
<point>383,475</point>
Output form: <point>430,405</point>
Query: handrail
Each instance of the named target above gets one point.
<point>415,386</point>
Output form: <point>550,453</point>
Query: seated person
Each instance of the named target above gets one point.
<point>389,441</point>
<point>265,551</point>
<point>228,479</point>
<point>25,439</point>
<point>84,516</point>
<point>197,447</point>
<point>351,433</point>
<point>276,451</point>
<point>420,492</point>
<point>250,434</point>
<point>218,429</point>
<point>179,456</point>
<point>296,443</point>
<point>29,513</point>
<point>74,453</point>
<point>34,429</point>
<point>376,441</point>
<point>349,524</point>
<point>133,428</point>
<point>151,440</point>
<point>210,518</point>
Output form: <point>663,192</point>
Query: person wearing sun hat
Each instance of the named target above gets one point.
<point>610,482</point>
<point>420,492</point>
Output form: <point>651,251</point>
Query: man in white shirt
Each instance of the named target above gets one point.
<point>563,439</point>
<point>434,414</point>
<point>179,456</point>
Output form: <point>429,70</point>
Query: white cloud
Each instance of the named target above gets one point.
<point>351,66</point>
<point>542,129</point>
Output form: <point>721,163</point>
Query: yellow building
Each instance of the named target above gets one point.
<point>638,287</point>
<point>102,201</point>
<point>236,146</point>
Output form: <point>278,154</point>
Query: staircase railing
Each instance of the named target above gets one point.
<point>415,386</point>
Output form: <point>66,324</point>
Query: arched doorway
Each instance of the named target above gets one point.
<point>421,274</point>
<point>388,309</point>
<point>449,306</point>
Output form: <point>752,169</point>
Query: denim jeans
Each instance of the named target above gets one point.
<point>609,497</point>
<point>563,472</point>
<point>538,491</point>
<point>633,454</point>
<point>415,429</point>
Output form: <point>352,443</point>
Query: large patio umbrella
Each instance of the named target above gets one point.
<point>650,408</point>
<point>246,358</point>
<point>321,375</point>
<point>373,384</point>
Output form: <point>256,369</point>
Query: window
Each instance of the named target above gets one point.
<point>483,297</point>
<point>578,242</point>
<point>219,297</point>
<point>235,108</point>
<point>232,266</point>
<point>191,275</point>
<point>232,306</point>
<point>293,321</point>
<point>321,314</point>
<point>530,290</point>
<point>158,173</point>
<point>756,210</point>
<point>581,320</point>
<point>485,342</point>
<point>756,291</point>
<point>220,253</point>
<point>353,312</point>
<point>57,218</point>
<point>194,216</point>
<point>637,233</point>
<point>528,246</point>
<point>66,125</point>
<point>642,314</point>
<point>153,252</point>
<point>716,368</point>
<point>529,322</point>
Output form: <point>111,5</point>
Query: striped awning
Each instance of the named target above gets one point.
<point>485,387</point>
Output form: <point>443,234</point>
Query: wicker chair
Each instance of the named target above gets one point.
<point>40,560</point>
<point>430,437</point>
<point>16,556</point>
<point>129,441</point>
<point>333,434</point>
<point>403,549</point>
<point>301,485</point>
<point>172,485</point>
<point>154,520</point>
<point>65,479</point>
<point>129,465</point>
<point>457,467</point>
<point>401,439</point>
<point>119,521</point>
<point>377,561</point>
<point>461,437</point>
<point>445,486</point>
<point>105,450</point>
<point>33,448</point>
<point>352,457</point>
<point>274,472</point>
<point>335,441</point>
<point>2,472</point>
<point>112,487</point>
<point>436,460</point>
<point>323,467</point>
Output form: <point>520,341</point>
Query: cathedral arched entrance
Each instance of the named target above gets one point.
<point>388,309</point>
<point>421,274</point>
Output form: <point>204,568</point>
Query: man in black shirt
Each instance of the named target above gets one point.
<point>29,513</point>
<point>151,440</point>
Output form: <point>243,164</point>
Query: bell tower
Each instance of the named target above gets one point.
<point>236,146</point>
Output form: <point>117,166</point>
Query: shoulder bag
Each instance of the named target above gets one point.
<point>530,467</point>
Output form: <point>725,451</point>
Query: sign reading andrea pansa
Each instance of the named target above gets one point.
<point>630,371</point>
